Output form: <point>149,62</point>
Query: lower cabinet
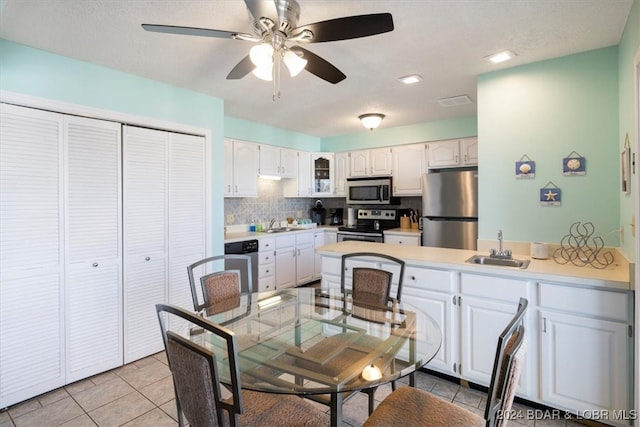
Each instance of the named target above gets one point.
<point>585,360</point>
<point>285,261</point>
<point>304,257</point>
<point>266,265</point>
<point>402,239</point>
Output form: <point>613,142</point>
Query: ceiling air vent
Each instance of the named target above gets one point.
<point>454,100</point>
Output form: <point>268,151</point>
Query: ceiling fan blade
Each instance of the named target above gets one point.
<point>262,8</point>
<point>203,32</point>
<point>243,68</point>
<point>349,27</point>
<point>320,67</point>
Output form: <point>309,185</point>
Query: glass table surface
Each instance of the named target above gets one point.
<point>306,341</point>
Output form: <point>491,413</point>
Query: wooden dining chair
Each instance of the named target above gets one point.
<point>416,407</point>
<point>205,295</point>
<point>196,380</point>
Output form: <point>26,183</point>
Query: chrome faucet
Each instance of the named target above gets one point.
<point>271,222</point>
<point>500,253</point>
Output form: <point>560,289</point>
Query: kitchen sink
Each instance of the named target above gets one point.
<point>279,230</point>
<point>502,262</point>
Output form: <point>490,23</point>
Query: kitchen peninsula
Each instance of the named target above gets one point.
<point>579,325</point>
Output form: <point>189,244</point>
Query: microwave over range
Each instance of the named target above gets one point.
<point>370,191</point>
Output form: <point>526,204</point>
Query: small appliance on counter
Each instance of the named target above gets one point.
<point>335,216</point>
<point>318,213</point>
<point>351,217</point>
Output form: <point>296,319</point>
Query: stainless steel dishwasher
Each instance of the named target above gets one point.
<point>245,247</point>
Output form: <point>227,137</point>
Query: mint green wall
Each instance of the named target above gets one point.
<point>382,137</point>
<point>629,53</point>
<point>251,131</point>
<point>547,110</point>
<point>38,73</point>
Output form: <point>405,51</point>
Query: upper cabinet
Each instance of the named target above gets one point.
<point>374,162</point>
<point>322,166</point>
<point>242,160</point>
<point>341,173</point>
<point>453,153</point>
<point>277,161</point>
<point>408,167</point>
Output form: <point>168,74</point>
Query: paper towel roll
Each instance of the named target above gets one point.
<point>351,217</point>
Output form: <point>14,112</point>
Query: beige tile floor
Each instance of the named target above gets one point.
<point>141,394</point>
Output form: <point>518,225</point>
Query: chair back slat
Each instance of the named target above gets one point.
<point>506,366</point>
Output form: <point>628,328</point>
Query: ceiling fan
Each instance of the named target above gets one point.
<point>276,34</point>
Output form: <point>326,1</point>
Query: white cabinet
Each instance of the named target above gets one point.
<point>60,250</point>
<point>278,161</point>
<point>330,236</point>
<point>305,257</point>
<point>402,239</point>
<point>302,185</point>
<point>318,240</point>
<point>487,304</point>
<point>285,255</point>
<point>266,264</point>
<point>341,173</point>
<point>408,167</point>
<point>322,165</point>
<point>453,153</point>
<point>242,161</point>
<point>373,162</point>
<point>597,379</point>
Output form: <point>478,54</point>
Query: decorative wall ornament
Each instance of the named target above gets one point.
<point>550,195</point>
<point>574,164</point>
<point>581,249</point>
<point>625,166</point>
<point>525,168</point>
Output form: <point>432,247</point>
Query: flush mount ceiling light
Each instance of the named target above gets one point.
<point>371,120</point>
<point>410,79</point>
<point>499,57</point>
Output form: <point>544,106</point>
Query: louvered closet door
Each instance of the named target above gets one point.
<point>93,249</point>
<point>186,212</point>
<point>145,172</point>
<point>31,261</point>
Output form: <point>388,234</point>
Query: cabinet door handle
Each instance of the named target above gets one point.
<point>147,258</point>
<point>454,303</point>
<point>544,325</point>
<point>95,264</point>
<point>413,277</point>
<point>454,367</point>
<point>236,188</point>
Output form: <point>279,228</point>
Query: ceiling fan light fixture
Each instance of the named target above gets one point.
<point>262,55</point>
<point>371,120</point>
<point>294,63</point>
<point>264,73</point>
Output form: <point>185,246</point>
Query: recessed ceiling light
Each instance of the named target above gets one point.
<point>499,57</point>
<point>410,79</point>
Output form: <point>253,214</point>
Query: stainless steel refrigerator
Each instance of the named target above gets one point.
<point>450,209</point>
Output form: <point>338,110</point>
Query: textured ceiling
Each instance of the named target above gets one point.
<point>444,41</point>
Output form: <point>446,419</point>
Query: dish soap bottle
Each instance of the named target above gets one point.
<point>252,226</point>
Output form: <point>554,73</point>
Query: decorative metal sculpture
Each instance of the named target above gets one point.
<point>580,249</point>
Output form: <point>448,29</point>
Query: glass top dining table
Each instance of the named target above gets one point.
<point>306,341</point>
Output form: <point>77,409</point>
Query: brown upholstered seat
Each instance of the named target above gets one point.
<point>410,407</point>
<point>222,292</point>
<point>197,387</point>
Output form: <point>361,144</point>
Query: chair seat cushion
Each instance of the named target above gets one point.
<point>408,406</point>
<point>264,409</point>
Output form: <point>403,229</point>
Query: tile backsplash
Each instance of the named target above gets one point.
<point>271,203</point>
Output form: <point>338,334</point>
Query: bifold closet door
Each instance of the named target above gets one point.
<point>145,208</point>
<point>93,285</point>
<point>31,253</point>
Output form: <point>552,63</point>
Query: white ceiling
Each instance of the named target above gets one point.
<point>443,40</point>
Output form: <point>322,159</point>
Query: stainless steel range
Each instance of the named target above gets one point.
<point>370,225</point>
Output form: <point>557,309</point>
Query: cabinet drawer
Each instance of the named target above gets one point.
<point>268,244</point>
<point>427,279</point>
<point>593,302</point>
<point>499,288</point>
<point>331,265</point>
<point>267,283</point>
<point>266,270</point>
<point>304,238</point>
<point>265,257</point>
<point>285,241</point>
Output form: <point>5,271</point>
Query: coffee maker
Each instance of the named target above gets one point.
<point>318,213</point>
<point>335,216</point>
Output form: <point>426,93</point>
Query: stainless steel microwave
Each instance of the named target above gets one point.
<point>370,191</point>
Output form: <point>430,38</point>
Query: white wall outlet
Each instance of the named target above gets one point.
<point>298,214</point>
<point>230,218</point>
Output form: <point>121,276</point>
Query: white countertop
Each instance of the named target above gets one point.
<point>248,235</point>
<point>613,277</point>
